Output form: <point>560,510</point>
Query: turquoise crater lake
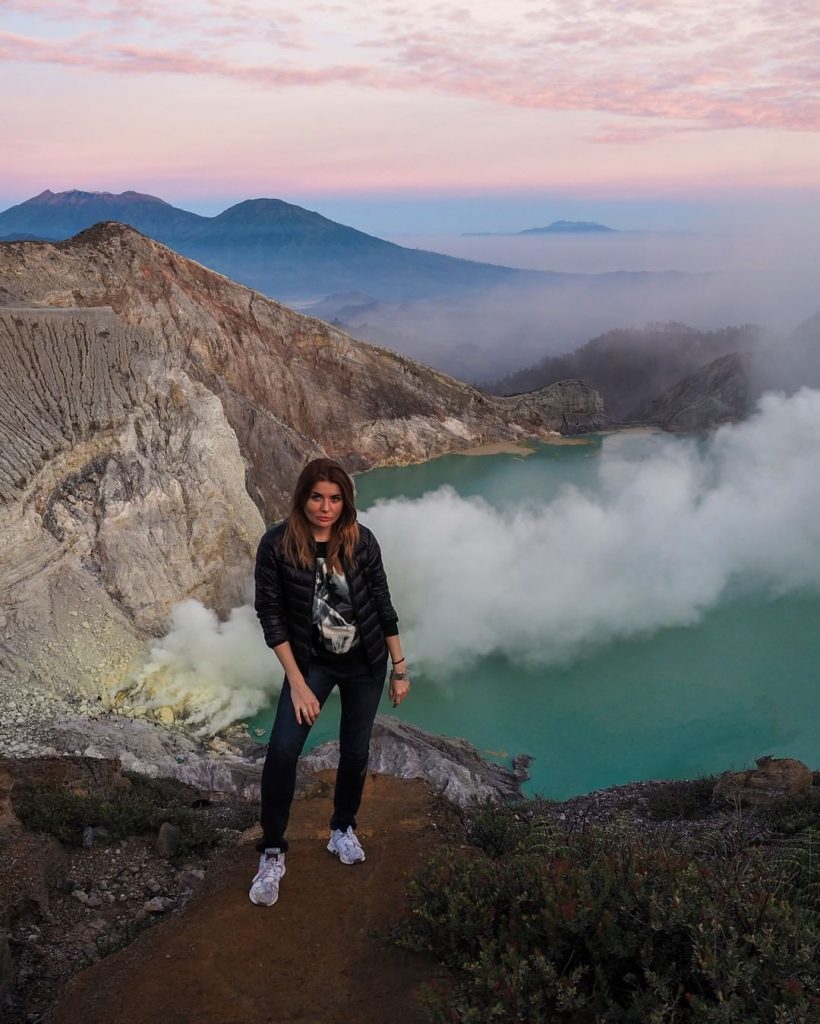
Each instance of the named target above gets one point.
<point>674,700</point>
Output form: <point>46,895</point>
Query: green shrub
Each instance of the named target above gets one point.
<point>139,809</point>
<point>494,829</point>
<point>685,800</point>
<point>792,814</point>
<point>614,927</point>
<point>55,810</point>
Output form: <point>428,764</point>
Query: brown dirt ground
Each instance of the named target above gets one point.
<point>313,957</point>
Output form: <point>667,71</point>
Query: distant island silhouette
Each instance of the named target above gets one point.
<point>558,227</point>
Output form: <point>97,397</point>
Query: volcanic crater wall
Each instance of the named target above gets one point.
<point>154,415</point>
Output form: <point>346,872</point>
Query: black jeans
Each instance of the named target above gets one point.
<point>360,695</point>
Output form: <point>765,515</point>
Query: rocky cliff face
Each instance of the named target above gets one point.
<point>290,386</point>
<point>719,392</point>
<point>155,414</point>
<point>580,407</point>
<point>122,487</point>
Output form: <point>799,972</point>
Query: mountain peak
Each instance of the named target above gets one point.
<point>55,215</point>
<point>76,195</point>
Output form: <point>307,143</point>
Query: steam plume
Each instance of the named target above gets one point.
<point>673,527</point>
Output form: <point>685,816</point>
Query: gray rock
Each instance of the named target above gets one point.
<point>773,779</point>
<point>150,748</point>
<point>168,839</point>
<point>189,879</point>
<point>453,766</point>
<point>80,896</point>
<point>159,905</point>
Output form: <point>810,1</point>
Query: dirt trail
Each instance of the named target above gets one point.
<point>312,957</point>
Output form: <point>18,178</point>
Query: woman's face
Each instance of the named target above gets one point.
<point>323,508</point>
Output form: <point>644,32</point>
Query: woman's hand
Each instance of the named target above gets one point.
<point>305,704</point>
<point>399,688</point>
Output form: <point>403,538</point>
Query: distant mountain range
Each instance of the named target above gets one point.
<point>475,320</point>
<point>282,250</point>
<point>558,227</point>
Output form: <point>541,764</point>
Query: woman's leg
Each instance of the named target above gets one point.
<point>360,695</point>
<point>279,773</point>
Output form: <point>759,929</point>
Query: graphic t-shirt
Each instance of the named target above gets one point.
<point>334,622</point>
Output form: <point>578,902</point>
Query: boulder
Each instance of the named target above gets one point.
<point>453,766</point>
<point>774,778</point>
<point>151,749</point>
<point>168,838</point>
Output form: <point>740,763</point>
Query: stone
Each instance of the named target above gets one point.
<point>159,905</point>
<point>168,839</point>
<point>80,896</point>
<point>774,778</point>
<point>188,879</point>
<point>521,766</point>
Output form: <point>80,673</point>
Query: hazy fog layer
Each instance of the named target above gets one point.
<point>673,528</point>
<point>766,275</point>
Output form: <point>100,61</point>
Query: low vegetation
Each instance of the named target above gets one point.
<point>612,924</point>
<point>683,800</point>
<point>137,809</point>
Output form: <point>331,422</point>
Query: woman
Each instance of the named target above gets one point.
<point>324,605</point>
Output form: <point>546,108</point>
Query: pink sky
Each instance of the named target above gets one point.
<point>625,98</point>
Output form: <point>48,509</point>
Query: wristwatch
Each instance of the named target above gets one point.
<point>398,676</point>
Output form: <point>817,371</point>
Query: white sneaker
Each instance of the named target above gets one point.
<point>346,846</point>
<point>265,884</point>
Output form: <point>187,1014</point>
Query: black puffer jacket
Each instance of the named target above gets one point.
<point>284,599</point>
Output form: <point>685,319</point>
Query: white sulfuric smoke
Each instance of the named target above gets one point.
<point>673,527</point>
<point>210,673</point>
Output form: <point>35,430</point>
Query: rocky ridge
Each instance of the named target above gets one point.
<point>64,908</point>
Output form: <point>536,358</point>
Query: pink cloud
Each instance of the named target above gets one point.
<point>141,60</point>
<point>671,67</point>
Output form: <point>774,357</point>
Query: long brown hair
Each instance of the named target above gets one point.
<point>344,536</point>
